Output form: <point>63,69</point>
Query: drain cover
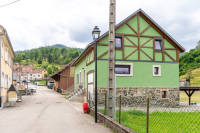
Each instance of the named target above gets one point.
<point>38,103</point>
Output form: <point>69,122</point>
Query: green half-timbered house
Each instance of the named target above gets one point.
<point>147,63</point>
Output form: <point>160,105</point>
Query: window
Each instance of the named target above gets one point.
<point>118,42</point>
<point>6,54</point>
<point>158,44</point>
<point>38,75</point>
<point>30,74</point>
<point>124,69</point>
<point>164,94</point>
<point>156,70</point>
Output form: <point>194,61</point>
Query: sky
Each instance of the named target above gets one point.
<point>35,23</point>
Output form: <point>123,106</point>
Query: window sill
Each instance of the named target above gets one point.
<point>156,75</point>
<point>118,48</point>
<point>164,98</point>
<point>124,75</point>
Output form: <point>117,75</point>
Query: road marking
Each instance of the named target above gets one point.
<point>3,116</point>
<point>72,105</point>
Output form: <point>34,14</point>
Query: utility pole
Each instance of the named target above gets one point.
<point>111,92</point>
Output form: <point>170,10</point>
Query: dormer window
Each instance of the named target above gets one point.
<point>158,44</point>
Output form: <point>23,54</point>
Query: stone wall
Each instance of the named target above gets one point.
<point>132,97</point>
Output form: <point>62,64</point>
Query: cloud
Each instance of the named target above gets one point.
<point>32,24</point>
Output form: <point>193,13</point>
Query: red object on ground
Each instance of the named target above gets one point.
<point>85,107</point>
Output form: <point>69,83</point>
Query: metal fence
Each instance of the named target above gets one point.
<point>153,118</point>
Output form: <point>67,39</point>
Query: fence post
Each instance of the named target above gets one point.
<point>147,130</point>
<point>105,104</point>
<point>120,101</point>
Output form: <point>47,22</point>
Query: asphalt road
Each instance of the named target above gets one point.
<point>48,112</point>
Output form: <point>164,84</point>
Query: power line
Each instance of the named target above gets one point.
<point>10,3</point>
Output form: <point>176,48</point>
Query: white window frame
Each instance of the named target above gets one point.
<point>127,64</point>
<point>79,77</point>
<point>159,70</point>
<point>167,94</point>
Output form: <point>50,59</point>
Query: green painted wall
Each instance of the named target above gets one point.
<point>125,29</point>
<point>142,71</point>
<point>78,68</point>
<point>142,75</point>
<point>90,56</point>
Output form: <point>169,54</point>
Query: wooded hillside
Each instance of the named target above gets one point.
<point>51,58</point>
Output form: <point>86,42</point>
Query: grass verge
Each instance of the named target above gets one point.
<point>42,82</point>
<point>160,122</point>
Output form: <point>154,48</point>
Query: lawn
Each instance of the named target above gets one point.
<point>194,99</point>
<point>160,122</point>
<point>42,82</point>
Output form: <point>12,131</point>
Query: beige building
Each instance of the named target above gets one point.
<point>7,56</point>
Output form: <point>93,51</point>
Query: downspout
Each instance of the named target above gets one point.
<point>0,75</point>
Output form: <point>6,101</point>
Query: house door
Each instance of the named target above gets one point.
<point>90,87</point>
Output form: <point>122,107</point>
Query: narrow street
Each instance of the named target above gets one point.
<point>48,112</point>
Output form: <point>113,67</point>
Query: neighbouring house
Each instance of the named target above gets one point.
<point>7,55</point>
<point>146,63</point>
<point>14,78</point>
<point>29,72</point>
<point>44,72</point>
<point>62,77</point>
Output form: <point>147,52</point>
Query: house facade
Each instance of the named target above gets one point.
<point>64,78</point>
<point>146,63</point>
<point>29,72</point>
<point>7,56</point>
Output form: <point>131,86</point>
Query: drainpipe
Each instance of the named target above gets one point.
<point>0,75</point>
<point>1,103</point>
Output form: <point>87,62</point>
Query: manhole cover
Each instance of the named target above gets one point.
<point>38,103</point>
<point>58,102</point>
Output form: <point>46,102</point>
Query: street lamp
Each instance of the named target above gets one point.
<point>96,33</point>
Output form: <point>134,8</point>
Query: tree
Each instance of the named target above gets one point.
<point>23,56</point>
<point>40,59</point>
<point>50,58</point>
<point>49,70</point>
<point>18,58</point>
<point>198,45</point>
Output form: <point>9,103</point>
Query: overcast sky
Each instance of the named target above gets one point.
<point>35,23</point>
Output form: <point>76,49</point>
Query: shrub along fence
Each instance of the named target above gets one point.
<point>152,118</point>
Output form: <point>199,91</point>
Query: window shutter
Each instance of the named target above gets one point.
<point>2,80</point>
<point>5,81</point>
<point>1,49</point>
<point>6,54</point>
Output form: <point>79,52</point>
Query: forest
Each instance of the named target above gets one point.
<point>189,60</point>
<point>51,58</point>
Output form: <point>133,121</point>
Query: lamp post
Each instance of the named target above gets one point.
<point>96,33</point>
